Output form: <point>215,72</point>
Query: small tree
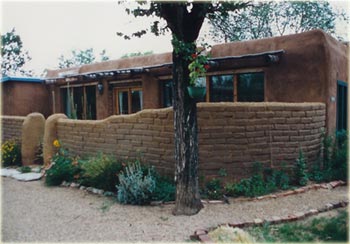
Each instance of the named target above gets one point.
<point>13,57</point>
<point>80,57</point>
<point>267,19</point>
<point>184,19</point>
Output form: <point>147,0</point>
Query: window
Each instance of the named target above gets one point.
<point>342,97</point>
<point>221,88</point>
<point>245,87</point>
<point>167,93</point>
<point>128,100</point>
<point>79,102</point>
<point>250,87</point>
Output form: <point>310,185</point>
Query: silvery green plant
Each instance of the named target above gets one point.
<point>135,187</point>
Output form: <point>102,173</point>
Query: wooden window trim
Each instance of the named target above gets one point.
<point>125,89</point>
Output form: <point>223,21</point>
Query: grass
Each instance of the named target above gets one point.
<point>321,229</point>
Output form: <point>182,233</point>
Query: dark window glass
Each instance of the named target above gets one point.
<point>250,87</point>
<point>221,88</point>
<point>90,102</point>
<point>136,99</point>
<point>64,97</point>
<point>78,98</point>
<point>167,92</point>
<point>123,102</point>
<point>342,97</point>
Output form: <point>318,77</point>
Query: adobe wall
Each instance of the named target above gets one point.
<point>21,99</point>
<point>231,136</point>
<point>11,127</point>
<point>307,72</point>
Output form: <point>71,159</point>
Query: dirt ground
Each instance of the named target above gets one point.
<point>32,212</point>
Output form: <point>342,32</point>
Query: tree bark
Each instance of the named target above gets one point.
<point>185,26</point>
<point>186,143</point>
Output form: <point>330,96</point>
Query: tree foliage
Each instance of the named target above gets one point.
<point>80,57</point>
<point>13,56</point>
<point>136,54</point>
<point>274,18</point>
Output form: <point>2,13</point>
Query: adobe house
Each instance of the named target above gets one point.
<point>24,95</point>
<point>306,67</point>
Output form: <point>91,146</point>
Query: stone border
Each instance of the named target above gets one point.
<point>330,185</point>
<point>202,234</point>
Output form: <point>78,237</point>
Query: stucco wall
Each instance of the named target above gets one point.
<point>11,127</point>
<point>231,135</point>
<point>307,72</point>
<point>21,99</point>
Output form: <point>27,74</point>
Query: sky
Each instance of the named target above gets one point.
<point>49,29</point>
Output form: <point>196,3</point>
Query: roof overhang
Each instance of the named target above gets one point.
<point>216,64</point>
<point>21,79</point>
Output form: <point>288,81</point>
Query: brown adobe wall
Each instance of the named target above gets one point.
<point>11,127</point>
<point>307,72</point>
<point>232,136</point>
<point>21,99</point>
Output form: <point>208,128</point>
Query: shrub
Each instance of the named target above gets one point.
<point>301,175</point>
<point>135,187</point>
<point>63,168</point>
<point>214,189</point>
<point>25,169</point>
<point>11,153</point>
<point>101,172</point>
<point>333,165</point>
<point>165,189</point>
<point>264,181</point>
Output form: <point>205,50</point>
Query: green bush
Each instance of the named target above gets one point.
<point>300,169</point>
<point>264,181</point>
<point>63,168</point>
<point>333,165</point>
<point>165,189</point>
<point>214,189</point>
<point>135,187</point>
<point>100,172</point>
<point>11,153</point>
<point>25,169</point>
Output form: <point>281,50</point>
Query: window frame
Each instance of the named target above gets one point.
<point>235,74</point>
<point>84,105</point>
<point>116,91</point>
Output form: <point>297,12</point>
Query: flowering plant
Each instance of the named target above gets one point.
<point>11,153</point>
<point>197,67</point>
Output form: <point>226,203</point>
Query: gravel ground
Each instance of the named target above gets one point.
<point>32,212</point>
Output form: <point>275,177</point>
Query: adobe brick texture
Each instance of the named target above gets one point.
<point>232,136</point>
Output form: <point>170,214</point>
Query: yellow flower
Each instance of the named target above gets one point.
<point>56,143</point>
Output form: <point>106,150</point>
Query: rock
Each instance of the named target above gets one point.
<point>9,172</point>
<point>27,176</point>
<point>311,212</point>
<point>215,201</point>
<point>36,169</point>
<point>300,215</point>
<point>156,203</point>
<point>276,219</point>
<point>205,238</point>
<point>89,189</point>
<point>200,232</point>
<point>82,188</point>
<point>258,221</point>
<point>74,185</point>
<point>108,194</point>
<point>329,206</point>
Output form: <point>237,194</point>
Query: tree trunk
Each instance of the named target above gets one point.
<point>186,142</point>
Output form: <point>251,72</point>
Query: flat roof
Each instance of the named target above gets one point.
<point>21,79</point>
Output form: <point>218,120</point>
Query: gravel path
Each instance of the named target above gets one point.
<point>32,212</point>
